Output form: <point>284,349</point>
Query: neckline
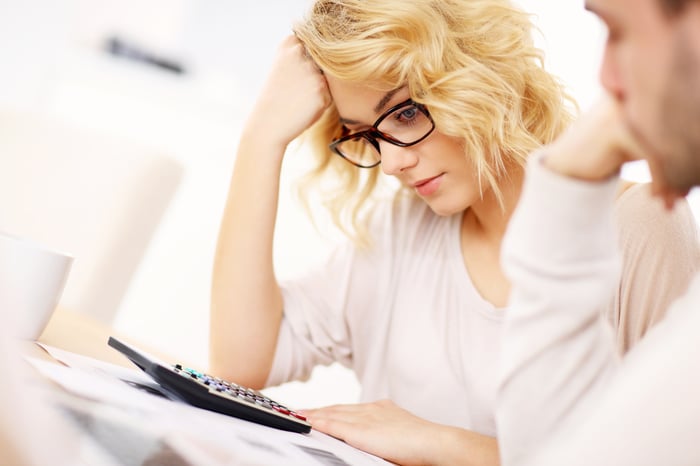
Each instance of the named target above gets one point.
<point>486,308</point>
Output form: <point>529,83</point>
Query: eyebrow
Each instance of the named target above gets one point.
<point>377,108</point>
<point>385,100</point>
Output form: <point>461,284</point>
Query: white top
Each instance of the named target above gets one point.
<point>406,318</point>
<point>566,395</point>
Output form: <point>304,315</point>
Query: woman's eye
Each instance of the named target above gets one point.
<point>407,114</point>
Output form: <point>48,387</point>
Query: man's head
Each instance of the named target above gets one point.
<point>652,67</point>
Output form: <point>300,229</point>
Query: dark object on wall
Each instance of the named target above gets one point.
<point>119,48</point>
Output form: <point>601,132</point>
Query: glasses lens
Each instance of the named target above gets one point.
<point>359,151</point>
<point>407,124</point>
<point>403,126</point>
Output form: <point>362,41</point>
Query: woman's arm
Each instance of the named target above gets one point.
<point>390,432</point>
<point>246,307</point>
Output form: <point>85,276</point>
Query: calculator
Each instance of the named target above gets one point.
<point>212,393</point>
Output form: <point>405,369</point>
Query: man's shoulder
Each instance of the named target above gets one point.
<point>640,213</point>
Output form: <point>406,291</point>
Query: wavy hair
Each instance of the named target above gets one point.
<point>474,65</point>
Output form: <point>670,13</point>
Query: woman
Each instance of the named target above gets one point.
<point>448,97</point>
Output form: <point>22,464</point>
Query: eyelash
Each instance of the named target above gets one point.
<point>410,121</point>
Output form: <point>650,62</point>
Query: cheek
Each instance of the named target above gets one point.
<point>450,155</point>
<point>642,89</point>
<point>452,150</point>
<point>648,64</point>
<point>464,177</point>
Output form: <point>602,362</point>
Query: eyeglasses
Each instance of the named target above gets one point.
<point>403,125</point>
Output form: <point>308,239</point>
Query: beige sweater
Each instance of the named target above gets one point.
<point>660,254</point>
<point>567,397</point>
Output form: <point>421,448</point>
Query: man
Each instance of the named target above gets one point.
<point>567,398</point>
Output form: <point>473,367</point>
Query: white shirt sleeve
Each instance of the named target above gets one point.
<point>565,396</point>
<point>313,329</point>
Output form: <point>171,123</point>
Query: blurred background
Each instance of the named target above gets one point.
<point>119,122</point>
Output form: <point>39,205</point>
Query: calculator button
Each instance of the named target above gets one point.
<point>212,393</point>
<point>281,409</point>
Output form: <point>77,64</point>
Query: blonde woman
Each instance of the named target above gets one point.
<point>448,97</point>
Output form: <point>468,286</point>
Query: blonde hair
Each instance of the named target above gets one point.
<point>471,62</point>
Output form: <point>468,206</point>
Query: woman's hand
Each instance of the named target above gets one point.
<point>388,431</point>
<point>293,97</point>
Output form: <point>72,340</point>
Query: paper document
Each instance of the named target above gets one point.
<point>197,434</point>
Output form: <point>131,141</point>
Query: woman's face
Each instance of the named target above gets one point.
<point>435,168</point>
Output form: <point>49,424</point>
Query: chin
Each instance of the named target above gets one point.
<point>444,209</point>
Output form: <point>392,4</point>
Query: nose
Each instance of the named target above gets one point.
<point>396,159</point>
<point>610,76</point>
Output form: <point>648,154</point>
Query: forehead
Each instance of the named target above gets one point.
<point>363,102</point>
<point>346,91</point>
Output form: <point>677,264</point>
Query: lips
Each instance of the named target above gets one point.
<point>428,186</point>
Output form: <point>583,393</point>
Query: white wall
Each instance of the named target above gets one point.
<point>227,46</point>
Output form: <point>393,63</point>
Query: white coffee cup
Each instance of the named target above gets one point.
<point>32,278</point>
